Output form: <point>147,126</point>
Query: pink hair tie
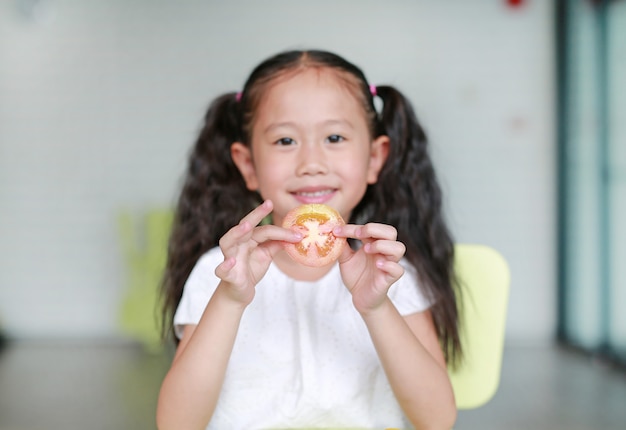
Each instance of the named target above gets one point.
<point>238,96</point>
<point>373,90</point>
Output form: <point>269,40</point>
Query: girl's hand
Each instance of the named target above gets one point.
<point>248,250</point>
<point>369,272</point>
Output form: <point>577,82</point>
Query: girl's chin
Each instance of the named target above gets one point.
<point>299,271</point>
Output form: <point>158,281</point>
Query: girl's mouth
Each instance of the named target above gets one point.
<point>314,196</point>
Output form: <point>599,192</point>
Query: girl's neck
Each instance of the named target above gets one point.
<point>297,271</point>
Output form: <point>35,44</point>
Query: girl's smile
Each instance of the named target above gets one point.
<point>314,194</point>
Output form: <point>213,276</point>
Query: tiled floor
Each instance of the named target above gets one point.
<point>114,386</point>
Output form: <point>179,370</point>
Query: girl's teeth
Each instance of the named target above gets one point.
<point>314,193</point>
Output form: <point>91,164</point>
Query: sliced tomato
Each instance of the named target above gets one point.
<point>319,246</point>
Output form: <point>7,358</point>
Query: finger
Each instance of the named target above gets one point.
<point>273,247</point>
<point>377,231</point>
<point>255,216</point>
<point>223,269</point>
<point>236,235</point>
<point>346,254</point>
<point>391,269</point>
<point>390,249</point>
<point>370,230</point>
<point>243,231</point>
<point>268,233</point>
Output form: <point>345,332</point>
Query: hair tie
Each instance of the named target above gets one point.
<point>238,96</point>
<point>373,90</point>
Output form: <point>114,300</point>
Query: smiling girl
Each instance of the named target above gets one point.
<point>264,342</point>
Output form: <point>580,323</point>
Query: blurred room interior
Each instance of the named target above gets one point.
<point>524,103</point>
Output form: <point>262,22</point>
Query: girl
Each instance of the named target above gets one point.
<point>267,343</point>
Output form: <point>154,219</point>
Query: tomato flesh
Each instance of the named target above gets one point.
<point>319,245</point>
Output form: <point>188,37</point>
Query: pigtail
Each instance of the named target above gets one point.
<point>407,195</point>
<point>214,197</point>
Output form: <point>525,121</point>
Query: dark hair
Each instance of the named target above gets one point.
<point>407,194</point>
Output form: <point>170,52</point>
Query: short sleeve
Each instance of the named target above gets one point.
<point>406,294</point>
<point>198,289</point>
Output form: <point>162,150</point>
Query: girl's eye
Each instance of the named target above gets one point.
<point>334,138</point>
<point>285,141</point>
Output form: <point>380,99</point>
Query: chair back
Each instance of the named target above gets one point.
<point>144,245</point>
<point>485,278</point>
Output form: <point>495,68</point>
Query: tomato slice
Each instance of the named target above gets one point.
<point>319,246</point>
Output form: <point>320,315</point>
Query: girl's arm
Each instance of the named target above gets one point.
<point>413,361</point>
<point>192,386</point>
<point>408,347</point>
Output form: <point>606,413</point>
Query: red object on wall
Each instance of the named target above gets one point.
<point>515,3</point>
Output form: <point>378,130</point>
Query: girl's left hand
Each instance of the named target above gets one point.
<point>369,272</point>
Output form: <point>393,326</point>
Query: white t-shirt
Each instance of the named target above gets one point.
<point>303,356</point>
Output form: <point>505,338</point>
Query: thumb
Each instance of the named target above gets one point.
<point>346,253</point>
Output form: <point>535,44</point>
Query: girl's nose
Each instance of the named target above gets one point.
<point>312,160</point>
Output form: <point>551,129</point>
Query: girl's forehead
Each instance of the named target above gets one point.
<point>307,96</point>
<point>309,92</point>
<point>314,77</point>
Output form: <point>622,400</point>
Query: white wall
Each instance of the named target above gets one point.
<point>100,101</point>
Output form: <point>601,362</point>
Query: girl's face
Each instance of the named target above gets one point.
<point>310,143</point>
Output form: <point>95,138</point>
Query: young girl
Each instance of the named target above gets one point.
<point>267,343</point>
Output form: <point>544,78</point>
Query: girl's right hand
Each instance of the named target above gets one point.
<point>248,251</point>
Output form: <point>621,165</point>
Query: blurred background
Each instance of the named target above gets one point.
<point>524,102</point>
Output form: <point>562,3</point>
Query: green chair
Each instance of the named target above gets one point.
<point>485,278</point>
<point>144,245</point>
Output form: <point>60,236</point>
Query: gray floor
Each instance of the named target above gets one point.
<point>553,389</point>
<point>67,386</point>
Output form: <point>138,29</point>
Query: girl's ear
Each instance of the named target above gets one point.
<point>378,156</point>
<point>242,157</point>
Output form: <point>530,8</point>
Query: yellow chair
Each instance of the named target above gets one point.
<point>485,278</point>
<point>144,246</point>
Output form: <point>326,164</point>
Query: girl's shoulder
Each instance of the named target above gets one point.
<point>409,270</point>
<point>197,291</point>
